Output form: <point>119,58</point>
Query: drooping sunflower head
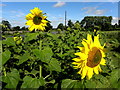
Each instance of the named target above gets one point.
<point>36,20</point>
<point>90,58</point>
<point>17,39</point>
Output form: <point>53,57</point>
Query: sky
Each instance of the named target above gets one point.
<point>15,12</point>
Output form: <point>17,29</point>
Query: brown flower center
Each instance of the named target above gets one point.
<point>94,57</point>
<point>37,20</point>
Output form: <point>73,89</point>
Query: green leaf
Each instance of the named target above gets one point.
<point>44,55</point>
<point>52,35</point>
<point>54,65</point>
<point>52,81</point>
<point>9,41</point>
<point>114,78</point>
<point>5,56</point>
<point>90,84</point>
<point>11,79</point>
<point>56,85</point>
<point>105,82</point>
<point>68,83</point>
<point>30,82</point>
<point>31,36</point>
<point>114,62</point>
<point>34,72</point>
<point>101,81</point>
<point>23,58</point>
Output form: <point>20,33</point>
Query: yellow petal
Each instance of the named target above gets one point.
<point>36,11</point>
<point>82,49</point>
<point>31,28</point>
<point>15,38</point>
<point>96,41</point>
<point>90,73</point>
<point>89,39</point>
<point>99,68</point>
<point>74,63</point>
<point>29,22</point>
<point>84,72</point>
<point>43,17</point>
<point>29,16</point>
<point>86,47</point>
<point>76,59</point>
<point>103,54</point>
<point>82,56</point>
<point>96,70</point>
<point>40,28</point>
<point>80,71</point>
<point>75,67</point>
<point>103,61</point>
<point>44,21</point>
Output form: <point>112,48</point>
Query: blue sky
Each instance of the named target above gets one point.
<point>15,12</point>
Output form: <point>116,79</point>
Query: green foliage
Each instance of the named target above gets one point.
<point>68,83</point>
<point>23,58</point>
<point>44,59</point>
<point>30,82</point>
<point>103,22</point>
<point>11,79</point>
<point>30,36</point>
<point>114,79</point>
<point>54,65</point>
<point>5,56</point>
<point>60,26</point>
<point>9,41</point>
<point>5,25</point>
<point>44,55</point>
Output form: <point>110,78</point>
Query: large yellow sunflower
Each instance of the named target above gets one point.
<point>36,20</point>
<point>90,58</point>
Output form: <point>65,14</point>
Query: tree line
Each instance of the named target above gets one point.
<point>89,23</point>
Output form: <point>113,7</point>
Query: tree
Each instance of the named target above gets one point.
<point>61,26</point>
<point>77,25</point>
<point>70,23</point>
<point>48,27</point>
<point>119,23</point>
<point>103,22</point>
<point>5,25</point>
<point>23,28</point>
<point>16,28</point>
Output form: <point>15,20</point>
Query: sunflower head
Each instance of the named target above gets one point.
<point>90,58</point>
<point>36,20</point>
<point>17,39</point>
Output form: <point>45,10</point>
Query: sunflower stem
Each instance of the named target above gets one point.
<point>40,44</point>
<point>40,71</point>
<point>40,48</point>
<point>4,71</point>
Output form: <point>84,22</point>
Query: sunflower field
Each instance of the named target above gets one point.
<point>68,59</point>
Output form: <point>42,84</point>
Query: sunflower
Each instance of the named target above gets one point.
<point>90,58</point>
<point>36,20</point>
<point>18,40</point>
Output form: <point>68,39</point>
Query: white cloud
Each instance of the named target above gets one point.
<point>55,19</point>
<point>55,23</point>
<point>99,12</point>
<point>59,4</point>
<point>18,13</point>
<point>93,10</point>
<point>20,23</point>
<point>2,4</point>
<point>115,20</point>
<point>16,18</point>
